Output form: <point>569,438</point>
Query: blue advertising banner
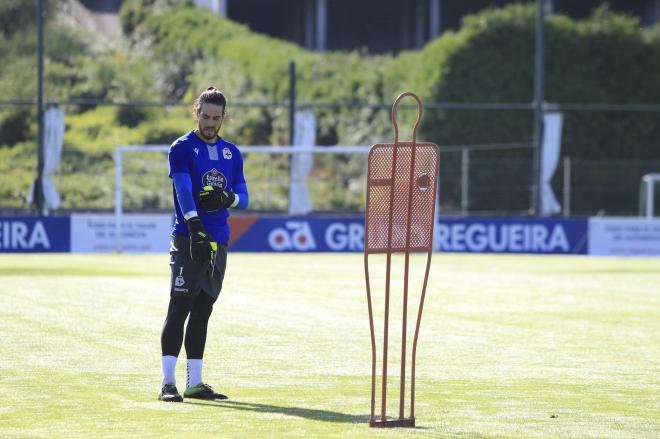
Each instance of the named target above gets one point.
<point>35,234</point>
<point>303,234</point>
<point>482,235</point>
<point>513,235</point>
<point>311,234</point>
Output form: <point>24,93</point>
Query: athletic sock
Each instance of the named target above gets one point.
<point>169,369</point>
<point>194,375</point>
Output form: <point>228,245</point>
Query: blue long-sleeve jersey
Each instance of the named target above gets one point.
<point>219,165</point>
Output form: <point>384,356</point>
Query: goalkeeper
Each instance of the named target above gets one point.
<point>207,176</point>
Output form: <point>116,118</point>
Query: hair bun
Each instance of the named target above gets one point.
<point>211,88</point>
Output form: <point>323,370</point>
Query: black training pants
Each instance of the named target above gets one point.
<point>194,288</point>
<point>199,307</point>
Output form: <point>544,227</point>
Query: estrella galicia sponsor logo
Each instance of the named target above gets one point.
<point>295,235</point>
<point>503,237</point>
<point>20,235</point>
<point>214,178</point>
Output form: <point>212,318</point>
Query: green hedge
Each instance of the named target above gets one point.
<point>252,67</point>
<point>607,58</point>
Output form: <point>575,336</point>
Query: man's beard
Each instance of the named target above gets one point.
<point>212,131</point>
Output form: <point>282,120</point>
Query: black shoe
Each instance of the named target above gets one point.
<point>203,391</point>
<point>169,394</point>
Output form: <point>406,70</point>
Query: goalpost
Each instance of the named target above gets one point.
<point>647,194</point>
<point>292,179</point>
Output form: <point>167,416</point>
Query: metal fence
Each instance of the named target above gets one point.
<point>472,180</point>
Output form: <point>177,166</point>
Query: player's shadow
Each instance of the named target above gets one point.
<point>318,415</point>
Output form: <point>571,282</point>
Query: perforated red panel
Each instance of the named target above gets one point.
<point>389,173</point>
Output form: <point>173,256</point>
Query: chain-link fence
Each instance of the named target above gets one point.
<point>502,186</point>
<point>475,179</point>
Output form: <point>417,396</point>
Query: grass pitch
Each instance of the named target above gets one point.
<point>510,346</point>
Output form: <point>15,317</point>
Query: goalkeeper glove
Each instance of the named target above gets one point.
<point>213,199</point>
<point>200,242</point>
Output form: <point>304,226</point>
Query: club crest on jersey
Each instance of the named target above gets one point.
<point>179,281</point>
<point>214,178</point>
<point>226,153</point>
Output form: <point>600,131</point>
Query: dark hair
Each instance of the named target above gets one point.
<point>209,96</point>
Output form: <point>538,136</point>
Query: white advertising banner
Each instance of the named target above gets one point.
<point>95,233</point>
<point>624,237</point>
